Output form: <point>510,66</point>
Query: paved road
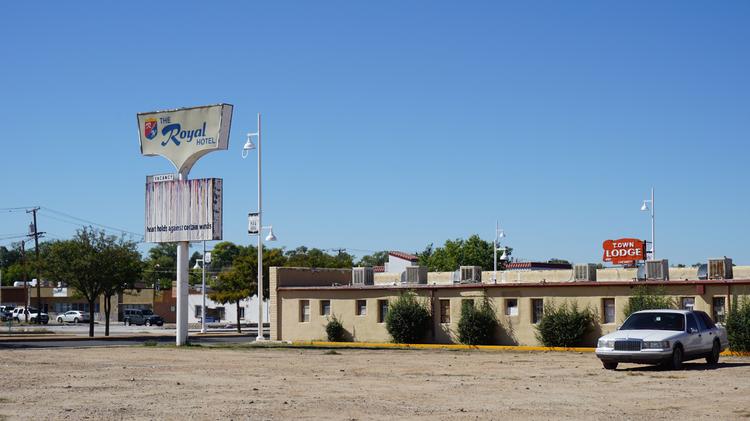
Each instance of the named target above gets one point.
<point>133,341</point>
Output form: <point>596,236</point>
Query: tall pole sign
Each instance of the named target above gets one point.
<point>183,210</point>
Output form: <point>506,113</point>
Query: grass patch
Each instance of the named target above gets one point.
<point>151,342</point>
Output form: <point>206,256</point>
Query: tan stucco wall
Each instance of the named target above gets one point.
<point>514,330</point>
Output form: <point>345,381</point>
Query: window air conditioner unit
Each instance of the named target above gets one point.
<point>584,272</point>
<point>720,268</point>
<point>657,269</point>
<point>470,274</point>
<point>363,276</point>
<point>414,275</point>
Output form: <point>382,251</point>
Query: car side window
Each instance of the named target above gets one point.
<point>706,319</point>
<point>691,323</point>
<point>701,323</point>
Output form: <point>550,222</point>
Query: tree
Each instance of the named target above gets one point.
<point>76,263</point>
<point>646,298</point>
<point>230,287</point>
<point>454,253</point>
<point>376,259</point>
<point>240,280</point>
<point>160,268</point>
<point>123,267</point>
<point>317,258</point>
<point>556,260</point>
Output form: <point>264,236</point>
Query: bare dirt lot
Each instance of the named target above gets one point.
<point>244,383</point>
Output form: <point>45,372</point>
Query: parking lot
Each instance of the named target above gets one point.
<point>242,382</point>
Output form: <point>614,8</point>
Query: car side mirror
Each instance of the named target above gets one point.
<point>692,330</point>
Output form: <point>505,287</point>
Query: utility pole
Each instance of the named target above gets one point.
<point>38,270</point>
<point>24,278</point>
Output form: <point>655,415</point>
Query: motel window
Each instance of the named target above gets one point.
<point>687,303</point>
<point>304,311</point>
<point>445,311</point>
<point>221,313</point>
<point>361,309</point>
<point>511,307</point>
<point>608,310</point>
<point>382,310</point>
<point>537,310</point>
<point>198,310</point>
<point>325,307</point>
<point>718,311</point>
<point>242,312</point>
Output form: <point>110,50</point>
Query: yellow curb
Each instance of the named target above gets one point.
<point>385,345</point>
<point>382,345</point>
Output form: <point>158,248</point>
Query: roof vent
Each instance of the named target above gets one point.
<point>470,274</point>
<point>720,268</point>
<point>657,269</point>
<point>414,275</point>
<point>584,272</point>
<point>363,276</point>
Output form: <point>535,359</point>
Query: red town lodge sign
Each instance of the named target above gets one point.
<point>624,250</point>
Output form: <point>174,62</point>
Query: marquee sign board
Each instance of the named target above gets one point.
<point>186,134</point>
<point>624,250</point>
<point>184,210</point>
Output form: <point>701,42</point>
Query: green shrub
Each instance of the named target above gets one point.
<point>477,323</point>
<point>407,319</point>
<point>564,325</point>
<point>335,330</point>
<point>738,325</point>
<point>647,298</point>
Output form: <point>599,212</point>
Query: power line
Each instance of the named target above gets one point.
<point>86,221</point>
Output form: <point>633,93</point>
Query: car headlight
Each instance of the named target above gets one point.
<point>655,345</point>
<point>606,343</point>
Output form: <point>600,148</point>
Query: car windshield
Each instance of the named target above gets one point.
<point>147,312</point>
<point>655,321</point>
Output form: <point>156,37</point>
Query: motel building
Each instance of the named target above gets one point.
<point>303,299</point>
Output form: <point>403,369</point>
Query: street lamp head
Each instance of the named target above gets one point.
<point>644,206</point>
<point>501,234</point>
<point>197,266</point>
<point>270,237</point>
<point>249,145</point>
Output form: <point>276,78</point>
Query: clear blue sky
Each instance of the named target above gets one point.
<point>392,125</point>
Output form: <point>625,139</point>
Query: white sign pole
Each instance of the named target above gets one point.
<point>182,284</point>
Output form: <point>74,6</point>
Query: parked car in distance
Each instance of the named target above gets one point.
<point>666,337</point>
<point>141,317</point>
<point>73,316</point>
<point>6,313</point>
<point>19,315</point>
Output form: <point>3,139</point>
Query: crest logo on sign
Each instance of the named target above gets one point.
<point>150,128</point>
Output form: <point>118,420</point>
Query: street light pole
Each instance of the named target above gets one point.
<point>249,146</point>
<point>498,235</point>
<point>203,289</point>
<point>646,207</point>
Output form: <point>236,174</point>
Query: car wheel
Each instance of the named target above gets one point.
<point>148,323</point>
<point>33,320</point>
<point>59,320</point>
<point>46,322</point>
<point>75,320</point>
<point>609,365</point>
<point>713,358</point>
<point>676,362</point>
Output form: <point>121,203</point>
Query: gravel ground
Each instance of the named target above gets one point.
<point>257,383</point>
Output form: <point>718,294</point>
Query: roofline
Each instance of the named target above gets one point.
<point>513,285</point>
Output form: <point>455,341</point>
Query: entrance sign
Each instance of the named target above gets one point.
<point>253,226</point>
<point>186,134</point>
<point>624,250</point>
<point>184,210</point>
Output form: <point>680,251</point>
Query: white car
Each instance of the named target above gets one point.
<point>666,337</point>
<point>74,316</point>
<point>21,314</point>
